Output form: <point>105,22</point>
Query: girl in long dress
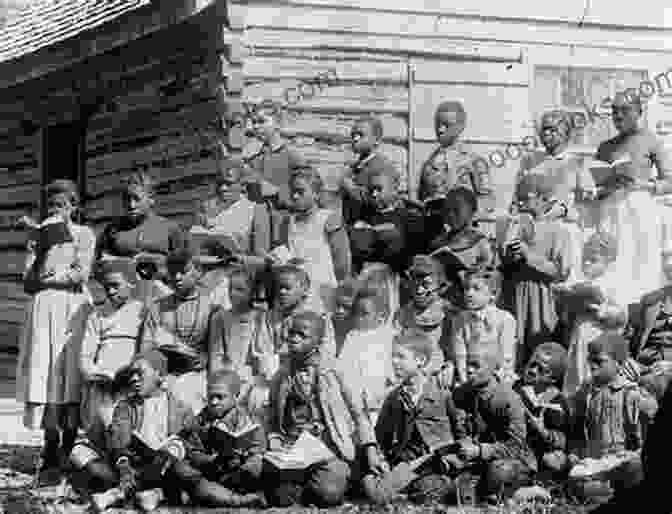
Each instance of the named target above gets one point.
<point>628,210</point>
<point>60,256</point>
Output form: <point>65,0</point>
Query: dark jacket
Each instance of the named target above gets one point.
<point>393,247</point>
<point>497,421</point>
<point>234,442</point>
<point>402,432</point>
<point>346,423</point>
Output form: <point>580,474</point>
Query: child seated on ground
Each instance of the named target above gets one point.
<point>546,409</point>
<point>144,457</point>
<point>366,358</point>
<point>610,415</point>
<point>110,340</point>
<point>310,396</point>
<point>418,416</point>
<point>481,323</point>
<point>225,444</point>
<point>427,311</point>
<point>458,234</point>
<point>496,447</point>
<point>245,343</point>
<point>591,307</point>
<point>180,325</point>
<point>291,295</point>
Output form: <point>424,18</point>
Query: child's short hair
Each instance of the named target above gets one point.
<point>488,275</point>
<point>614,345</point>
<point>228,377</point>
<point>310,175</point>
<point>452,106</point>
<point>466,194</point>
<point>155,358</point>
<point>417,342</point>
<point>122,265</point>
<point>375,123</point>
<point>315,318</point>
<point>534,183</point>
<point>602,244</point>
<point>376,296</point>
<point>294,267</point>
<point>426,265</point>
<point>557,357</point>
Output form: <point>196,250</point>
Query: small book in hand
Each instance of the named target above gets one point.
<point>240,439</point>
<point>52,232</point>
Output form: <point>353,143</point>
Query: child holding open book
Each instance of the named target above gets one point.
<point>313,407</point>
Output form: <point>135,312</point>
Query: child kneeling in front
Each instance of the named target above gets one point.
<point>144,456</point>
<point>310,402</point>
<point>417,418</point>
<point>496,445</point>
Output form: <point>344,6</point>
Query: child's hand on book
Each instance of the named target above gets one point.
<point>375,460</point>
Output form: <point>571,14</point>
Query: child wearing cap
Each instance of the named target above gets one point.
<point>481,323</point>
<point>427,311</point>
<point>590,307</point>
<point>366,358</point>
<point>417,417</point>
<point>536,252</point>
<point>546,408</point>
<point>366,135</point>
<point>495,446</point>
<point>610,415</point>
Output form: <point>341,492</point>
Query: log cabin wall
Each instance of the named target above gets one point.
<point>150,105</point>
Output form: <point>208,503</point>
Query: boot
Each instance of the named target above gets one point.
<point>217,495</point>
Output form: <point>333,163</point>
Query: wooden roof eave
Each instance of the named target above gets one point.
<point>157,16</point>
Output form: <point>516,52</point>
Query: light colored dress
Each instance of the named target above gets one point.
<point>307,240</point>
<point>634,217</point>
<point>48,365</point>
<point>366,364</point>
<point>110,342</point>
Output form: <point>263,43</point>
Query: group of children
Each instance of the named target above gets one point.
<point>393,338</point>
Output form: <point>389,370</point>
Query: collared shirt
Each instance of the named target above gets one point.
<point>491,328</point>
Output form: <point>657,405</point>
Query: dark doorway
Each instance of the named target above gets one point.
<point>64,155</point>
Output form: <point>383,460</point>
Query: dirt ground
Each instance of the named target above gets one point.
<point>17,496</point>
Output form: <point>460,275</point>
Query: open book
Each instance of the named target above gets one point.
<point>306,451</point>
<point>227,438</point>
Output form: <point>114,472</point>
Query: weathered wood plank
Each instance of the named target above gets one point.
<point>12,262</point>
<point>280,68</point>
<point>465,72</point>
<point>10,335</point>
<point>493,113</point>
<point>13,195</point>
<point>12,311</point>
<point>19,177</point>
<point>337,128</point>
<point>12,290</point>
<point>13,238</point>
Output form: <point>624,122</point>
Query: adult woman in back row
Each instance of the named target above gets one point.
<point>141,231</point>
<point>628,209</point>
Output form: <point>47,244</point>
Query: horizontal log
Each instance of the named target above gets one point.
<point>12,177</point>
<point>465,72</point>
<point>10,336</point>
<point>12,290</point>
<point>297,93</point>
<point>13,195</point>
<point>12,311</point>
<point>339,127</point>
<point>12,262</point>
<point>13,238</point>
<point>257,67</point>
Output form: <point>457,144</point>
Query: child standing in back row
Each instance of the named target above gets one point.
<point>316,236</point>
